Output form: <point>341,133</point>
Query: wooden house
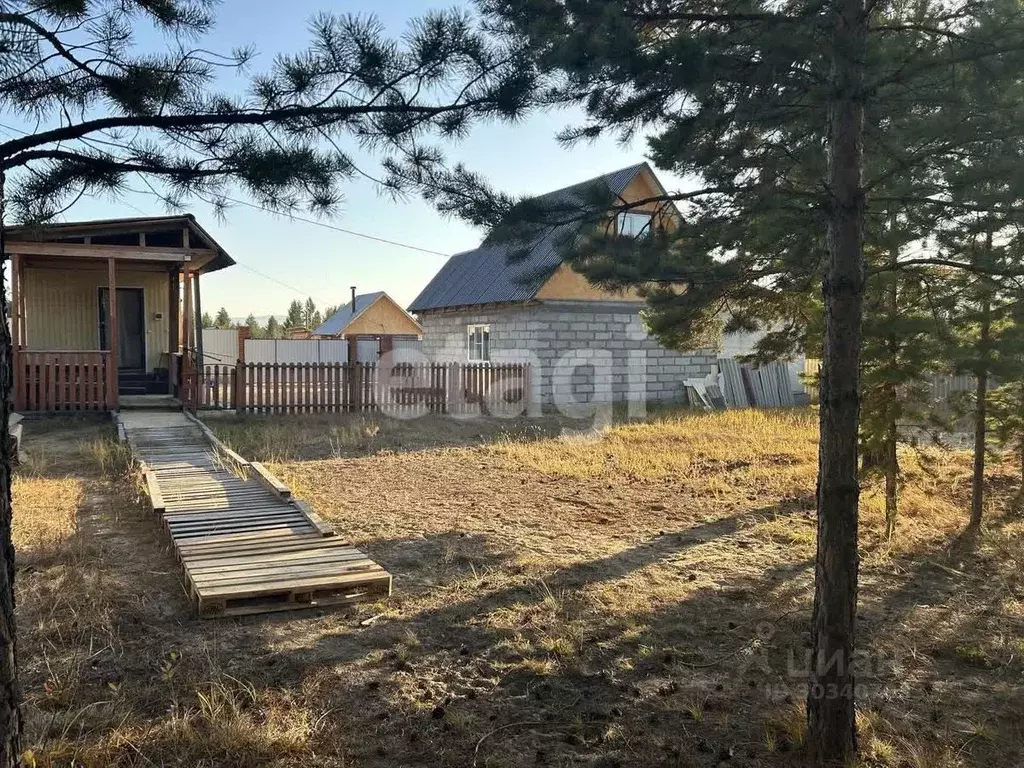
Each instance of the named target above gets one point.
<point>371,319</point>
<point>74,347</point>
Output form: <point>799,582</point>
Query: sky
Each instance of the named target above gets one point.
<point>280,259</point>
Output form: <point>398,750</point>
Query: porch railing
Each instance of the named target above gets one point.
<point>63,381</point>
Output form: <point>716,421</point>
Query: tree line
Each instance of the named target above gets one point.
<point>299,315</point>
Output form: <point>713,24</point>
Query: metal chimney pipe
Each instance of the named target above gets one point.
<point>353,299</point>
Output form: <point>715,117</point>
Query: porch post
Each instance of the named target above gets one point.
<point>188,380</point>
<point>174,331</point>
<point>22,309</point>
<point>186,315</point>
<point>19,369</point>
<point>199,323</point>
<point>186,275</point>
<point>16,301</point>
<point>113,401</point>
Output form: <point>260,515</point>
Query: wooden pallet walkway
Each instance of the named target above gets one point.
<point>244,544</point>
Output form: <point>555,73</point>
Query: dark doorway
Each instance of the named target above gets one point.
<point>131,327</point>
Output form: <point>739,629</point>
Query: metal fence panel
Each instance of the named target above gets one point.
<point>333,351</point>
<point>220,346</point>
<point>367,350</point>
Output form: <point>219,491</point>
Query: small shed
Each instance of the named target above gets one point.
<point>371,318</point>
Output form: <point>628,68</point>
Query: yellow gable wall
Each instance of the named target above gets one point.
<point>568,284</point>
<point>383,317</point>
<point>62,308</point>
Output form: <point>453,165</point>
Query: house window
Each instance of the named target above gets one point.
<point>632,224</point>
<point>479,343</point>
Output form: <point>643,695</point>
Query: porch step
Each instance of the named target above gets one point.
<point>141,383</point>
<point>145,402</point>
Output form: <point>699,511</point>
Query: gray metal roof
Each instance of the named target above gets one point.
<point>501,272</point>
<point>337,322</point>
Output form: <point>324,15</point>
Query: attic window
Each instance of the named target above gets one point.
<point>632,224</point>
<point>479,337</point>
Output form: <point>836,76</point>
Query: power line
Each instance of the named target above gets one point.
<point>265,276</point>
<point>303,219</point>
<point>338,229</point>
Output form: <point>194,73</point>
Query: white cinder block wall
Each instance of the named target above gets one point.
<point>584,350</point>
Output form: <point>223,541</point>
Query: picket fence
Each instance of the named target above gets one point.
<point>399,389</point>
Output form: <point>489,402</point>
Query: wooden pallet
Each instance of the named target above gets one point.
<point>244,544</point>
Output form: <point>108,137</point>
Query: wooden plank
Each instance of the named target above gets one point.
<point>296,584</point>
<point>275,485</point>
<point>253,577</point>
<point>230,561</point>
<point>242,567</point>
<point>156,498</point>
<point>251,543</point>
<point>314,518</point>
<point>255,541</point>
<point>89,251</point>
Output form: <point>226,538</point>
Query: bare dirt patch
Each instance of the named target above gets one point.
<point>639,597</point>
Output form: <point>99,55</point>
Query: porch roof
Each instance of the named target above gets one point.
<point>162,233</point>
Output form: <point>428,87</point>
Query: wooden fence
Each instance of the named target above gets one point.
<point>399,389</point>
<point>63,381</point>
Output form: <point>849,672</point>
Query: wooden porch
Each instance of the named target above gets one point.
<point>105,308</point>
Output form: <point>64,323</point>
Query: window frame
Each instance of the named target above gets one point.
<point>483,344</point>
<point>623,216</point>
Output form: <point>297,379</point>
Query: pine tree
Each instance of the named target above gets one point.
<point>983,231</point>
<point>100,112</point>
<point>273,328</point>
<point>774,219</point>
<point>331,311</point>
<point>255,329</point>
<point>223,319</point>
<point>206,320</point>
<point>294,317</point>
<point>308,313</point>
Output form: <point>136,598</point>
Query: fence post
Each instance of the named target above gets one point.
<point>240,377</point>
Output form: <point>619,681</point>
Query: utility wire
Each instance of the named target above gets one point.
<point>338,229</point>
<point>296,217</point>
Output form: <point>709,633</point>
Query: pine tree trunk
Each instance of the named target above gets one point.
<point>871,458</point>
<point>830,699</point>
<point>892,472</point>
<point>892,410</point>
<point>1021,440</point>
<point>980,408</point>
<point>10,693</point>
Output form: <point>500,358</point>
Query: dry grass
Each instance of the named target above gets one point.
<point>635,597</point>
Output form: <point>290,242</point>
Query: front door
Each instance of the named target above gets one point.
<point>131,327</point>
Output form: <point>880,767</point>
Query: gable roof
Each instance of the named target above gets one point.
<point>162,231</point>
<point>346,314</point>
<point>486,275</point>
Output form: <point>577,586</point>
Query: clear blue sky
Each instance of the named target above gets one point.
<point>315,261</point>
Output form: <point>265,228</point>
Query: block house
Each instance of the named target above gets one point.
<point>75,348</point>
<point>519,302</point>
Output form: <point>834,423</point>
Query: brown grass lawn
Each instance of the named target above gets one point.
<point>636,597</point>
